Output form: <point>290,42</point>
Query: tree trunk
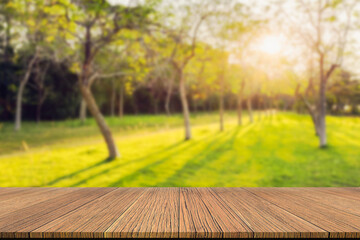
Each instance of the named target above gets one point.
<point>185,107</point>
<point>20,92</point>
<point>239,108</point>
<point>239,102</point>
<point>168,95</point>
<point>104,128</point>
<point>82,112</point>
<point>19,105</point>
<point>313,114</point>
<point>221,103</point>
<point>321,121</point>
<point>121,100</point>
<point>315,119</point>
<point>259,108</point>
<point>251,118</point>
<point>221,113</point>
<point>85,82</point>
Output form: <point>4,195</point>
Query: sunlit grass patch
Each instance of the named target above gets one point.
<point>278,150</point>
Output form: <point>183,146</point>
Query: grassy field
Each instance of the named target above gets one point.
<point>279,150</point>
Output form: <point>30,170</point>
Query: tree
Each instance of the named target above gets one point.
<point>39,80</point>
<point>237,81</point>
<point>33,19</point>
<point>239,31</point>
<point>101,25</point>
<point>185,38</point>
<point>324,33</point>
<point>7,12</point>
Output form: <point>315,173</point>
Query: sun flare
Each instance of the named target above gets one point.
<point>271,45</point>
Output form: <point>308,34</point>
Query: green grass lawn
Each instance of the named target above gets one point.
<point>279,150</point>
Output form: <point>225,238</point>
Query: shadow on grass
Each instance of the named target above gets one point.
<point>169,151</point>
<point>206,157</point>
<point>200,160</point>
<point>147,169</point>
<point>104,162</point>
<point>73,174</point>
<point>211,149</point>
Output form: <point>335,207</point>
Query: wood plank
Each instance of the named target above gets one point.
<point>30,198</point>
<point>179,212</point>
<point>350,193</point>
<point>93,219</point>
<point>30,218</point>
<point>204,216</point>
<point>8,193</point>
<point>339,224</point>
<point>265,219</point>
<point>154,215</point>
<point>339,202</point>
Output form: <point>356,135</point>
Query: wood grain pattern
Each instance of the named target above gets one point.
<point>204,216</point>
<point>93,219</point>
<point>24,220</point>
<point>29,198</point>
<point>336,201</point>
<point>9,193</point>
<point>179,212</point>
<point>266,219</point>
<point>350,193</point>
<point>154,215</point>
<point>338,223</point>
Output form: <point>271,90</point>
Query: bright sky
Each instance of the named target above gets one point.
<point>125,2</point>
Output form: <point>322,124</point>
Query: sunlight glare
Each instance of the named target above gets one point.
<point>271,45</point>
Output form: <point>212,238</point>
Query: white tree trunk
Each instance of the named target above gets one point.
<point>82,112</point>
<point>185,107</point>
<point>19,105</point>
<point>20,92</point>
<point>321,121</point>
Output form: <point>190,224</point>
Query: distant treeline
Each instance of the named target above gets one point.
<point>61,96</point>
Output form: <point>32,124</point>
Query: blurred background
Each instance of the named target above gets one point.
<point>205,93</point>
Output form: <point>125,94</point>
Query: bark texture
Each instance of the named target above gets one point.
<point>104,128</point>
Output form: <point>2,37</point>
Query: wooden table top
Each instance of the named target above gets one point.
<point>180,212</point>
